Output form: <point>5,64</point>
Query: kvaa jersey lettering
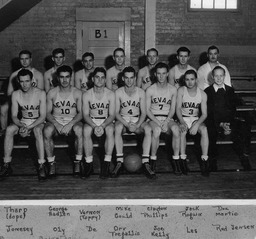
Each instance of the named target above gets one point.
<point>99,107</point>
<point>161,101</point>
<point>129,105</point>
<point>191,105</point>
<point>64,110</point>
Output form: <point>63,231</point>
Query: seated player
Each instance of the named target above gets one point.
<point>64,115</point>
<point>145,74</point>
<point>177,72</point>
<point>83,76</point>
<point>98,113</point>
<point>160,103</point>
<point>32,102</point>
<point>221,107</point>
<point>191,110</point>
<point>130,117</point>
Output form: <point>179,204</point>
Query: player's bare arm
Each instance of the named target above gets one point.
<point>171,77</point>
<point>111,112</point>
<point>39,78</point>
<point>117,104</point>
<point>183,125</point>
<point>149,94</point>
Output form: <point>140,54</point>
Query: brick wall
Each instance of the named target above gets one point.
<point>51,24</point>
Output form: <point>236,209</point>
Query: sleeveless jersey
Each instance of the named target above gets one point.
<point>53,80</point>
<point>160,101</point>
<point>64,110</point>
<point>146,81</point>
<point>191,105</point>
<point>178,75</point>
<point>130,105</point>
<point>99,107</point>
<point>84,86</point>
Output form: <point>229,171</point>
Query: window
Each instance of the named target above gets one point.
<point>213,4</point>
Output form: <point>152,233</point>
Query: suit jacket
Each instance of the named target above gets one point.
<point>230,100</point>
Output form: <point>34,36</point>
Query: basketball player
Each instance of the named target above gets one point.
<point>145,74</point>
<point>160,103</point>
<point>113,73</point>
<point>98,113</point>
<point>130,117</point>
<point>204,72</point>
<point>82,77</point>
<point>177,72</point>
<point>50,77</point>
<point>191,102</point>
<point>64,117</point>
<point>32,102</point>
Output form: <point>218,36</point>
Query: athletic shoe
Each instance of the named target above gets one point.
<point>76,168</point>
<point>86,169</point>
<point>6,170</point>
<point>52,169</point>
<point>105,170</point>
<point>117,170</point>
<point>148,171</point>
<point>153,165</point>
<point>41,172</point>
<point>184,166</point>
<point>205,168</point>
<point>177,168</point>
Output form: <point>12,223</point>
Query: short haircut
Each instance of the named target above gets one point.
<point>25,72</point>
<point>58,51</point>
<point>88,54</point>
<point>129,69</point>
<point>26,52</point>
<point>118,49</point>
<point>99,69</point>
<point>213,48</point>
<point>183,48</point>
<point>64,68</point>
<point>218,68</point>
<point>161,65</point>
<point>152,49</point>
<point>190,72</point>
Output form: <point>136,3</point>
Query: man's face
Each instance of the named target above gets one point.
<point>183,57</point>
<point>129,79</point>
<point>58,59</point>
<point>25,60</point>
<point>64,79</point>
<point>88,63</point>
<point>190,81</point>
<point>119,58</point>
<point>25,83</point>
<point>219,76</point>
<point>161,74</point>
<point>152,58</point>
<point>213,55</point>
<point>99,79</point>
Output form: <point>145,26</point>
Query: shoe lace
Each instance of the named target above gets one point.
<point>149,170</point>
<point>117,168</point>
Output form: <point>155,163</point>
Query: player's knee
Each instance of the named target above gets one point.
<point>48,131</point>
<point>87,131</point>
<point>147,130</point>
<point>37,132</point>
<point>156,132</point>
<point>203,130</point>
<point>10,131</point>
<point>109,130</point>
<point>78,130</point>
<point>175,130</point>
<point>119,128</point>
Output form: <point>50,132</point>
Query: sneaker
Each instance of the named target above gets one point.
<point>41,172</point>
<point>153,165</point>
<point>86,169</point>
<point>184,166</point>
<point>205,168</point>
<point>148,171</point>
<point>117,170</point>
<point>105,170</point>
<point>177,167</point>
<point>76,168</point>
<point>52,169</point>
<point>6,170</point>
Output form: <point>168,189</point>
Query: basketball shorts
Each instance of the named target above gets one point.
<point>98,121</point>
<point>190,120</point>
<point>27,122</point>
<point>133,119</point>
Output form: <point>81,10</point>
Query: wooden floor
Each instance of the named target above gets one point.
<point>227,183</point>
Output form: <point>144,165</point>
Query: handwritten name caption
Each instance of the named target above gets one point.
<point>159,232</point>
<point>224,212</point>
<point>58,212</point>
<point>155,212</point>
<point>89,215</point>
<point>232,227</point>
<point>123,232</point>
<point>191,212</point>
<point>15,213</point>
<point>123,212</point>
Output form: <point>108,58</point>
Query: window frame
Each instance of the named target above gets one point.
<point>214,9</point>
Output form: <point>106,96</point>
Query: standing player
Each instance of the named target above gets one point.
<point>204,72</point>
<point>82,77</point>
<point>190,101</point>
<point>145,74</point>
<point>160,103</point>
<point>64,115</point>
<point>32,102</point>
<point>177,72</point>
<point>130,115</point>
<point>113,73</point>
<point>98,113</point>
<point>50,77</point>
